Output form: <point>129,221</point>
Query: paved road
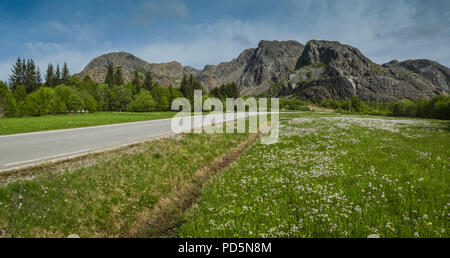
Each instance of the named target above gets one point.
<point>21,150</point>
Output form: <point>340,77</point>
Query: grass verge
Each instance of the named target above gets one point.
<point>111,194</point>
<point>44,123</point>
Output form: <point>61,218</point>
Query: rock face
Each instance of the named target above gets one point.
<point>272,61</point>
<point>431,71</point>
<point>319,70</point>
<point>254,70</point>
<point>330,70</point>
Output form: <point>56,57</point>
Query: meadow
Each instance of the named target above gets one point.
<point>333,176</point>
<point>330,175</point>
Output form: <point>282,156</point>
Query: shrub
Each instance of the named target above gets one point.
<point>161,95</point>
<point>41,101</point>
<point>143,102</point>
<point>20,93</point>
<point>7,103</point>
<point>90,104</point>
<point>75,103</point>
<point>120,97</point>
<point>102,97</point>
<point>405,107</point>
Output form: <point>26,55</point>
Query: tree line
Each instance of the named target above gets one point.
<point>437,107</point>
<point>27,95</point>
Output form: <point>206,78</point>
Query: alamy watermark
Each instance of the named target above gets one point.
<point>221,121</point>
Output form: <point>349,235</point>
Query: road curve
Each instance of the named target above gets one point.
<point>22,150</point>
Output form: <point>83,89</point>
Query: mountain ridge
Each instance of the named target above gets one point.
<point>318,70</point>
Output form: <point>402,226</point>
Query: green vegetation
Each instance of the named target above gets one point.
<point>43,123</point>
<point>333,176</point>
<point>294,104</point>
<point>225,91</point>
<point>62,94</point>
<point>437,107</point>
<point>188,85</point>
<point>319,65</point>
<point>112,194</point>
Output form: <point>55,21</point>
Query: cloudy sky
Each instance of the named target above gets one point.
<point>200,32</point>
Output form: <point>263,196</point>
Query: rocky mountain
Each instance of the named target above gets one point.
<point>165,73</point>
<point>328,69</point>
<point>319,70</point>
<point>431,71</point>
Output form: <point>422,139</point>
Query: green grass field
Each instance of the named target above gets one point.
<point>43,123</point>
<point>112,194</point>
<point>328,176</point>
<point>333,176</point>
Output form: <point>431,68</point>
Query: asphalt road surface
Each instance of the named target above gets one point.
<point>22,150</point>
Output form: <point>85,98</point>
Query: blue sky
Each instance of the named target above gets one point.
<point>201,32</point>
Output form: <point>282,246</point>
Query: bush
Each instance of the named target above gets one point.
<point>58,105</point>
<point>143,102</point>
<point>161,95</point>
<point>102,97</point>
<point>90,104</point>
<point>120,97</point>
<point>20,93</point>
<point>405,107</point>
<point>441,107</point>
<point>40,102</point>
<point>8,105</point>
<point>75,103</point>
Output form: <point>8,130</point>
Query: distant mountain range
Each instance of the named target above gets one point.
<point>318,70</point>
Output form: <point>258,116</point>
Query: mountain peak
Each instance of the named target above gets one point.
<point>123,59</point>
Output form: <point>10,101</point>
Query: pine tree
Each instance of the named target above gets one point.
<point>109,79</point>
<point>118,78</point>
<point>16,78</point>
<point>49,76</point>
<point>31,76</point>
<point>136,81</point>
<point>65,74</point>
<point>38,78</point>
<point>148,81</point>
<point>186,87</point>
<point>57,76</point>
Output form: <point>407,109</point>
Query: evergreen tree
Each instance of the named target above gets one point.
<point>17,76</point>
<point>148,81</point>
<point>65,74</point>
<point>185,87</point>
<point>118,78</point>
<point>30,76</point>
<point>57,76</point>
<point>109,79</point>
<point>136,81</point>
<point>50,76</point>
<point>188,85</point>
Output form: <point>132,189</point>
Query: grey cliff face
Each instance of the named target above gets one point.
<point>431,71</point>
<point>272,61</point>
<point>319,70</point>
<point>346,72</point>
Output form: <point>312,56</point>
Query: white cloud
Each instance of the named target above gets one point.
<point>367,25</point>
<point>381,31</point>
